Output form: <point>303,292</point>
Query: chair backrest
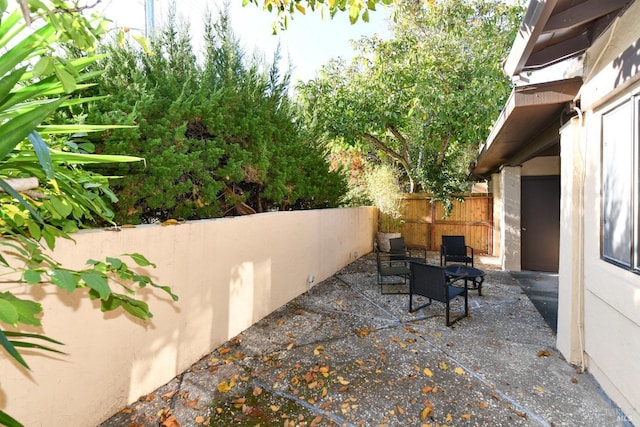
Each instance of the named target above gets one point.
<point>455,245</point>
<point>397,248</point>
<point>429,281</point>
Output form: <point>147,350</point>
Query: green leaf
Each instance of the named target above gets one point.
<point>34,229</point>
<point>32,277</point>
<point>98,283</point>
<point>21,344</point>
<point>15,130</point>
<point>7,420</point>
<point>9,348</point>
<point>115,263</point>
<point>8,313</point>
<point>42,151</point>
<point>10,334</point>
<point>8,82</point>
<point>140,260</point>
<point>64,279</point>
<point>27,310</point>
<point>61,206</point>
<point>67,80</point>
<point>43,67</point>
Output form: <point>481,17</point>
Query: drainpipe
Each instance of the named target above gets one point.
<point>580,278</point>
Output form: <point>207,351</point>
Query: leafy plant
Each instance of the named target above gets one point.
<point>45,192</point>
<point>220,139</point>
<point>423,100</point>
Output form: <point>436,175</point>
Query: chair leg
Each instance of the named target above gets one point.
<point>411,309</point>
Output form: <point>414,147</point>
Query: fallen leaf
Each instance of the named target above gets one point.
<point>574,380</point>
<point>318,350</point>
<point>199,419</point>
<point>224,387</point>
<point>444,366</point>
<point>170,421</point>
<point>192,403</point>
<point>483,405</point>
<point>342,381</point>
<point>425,413</point>
<point>449,418</point>
<point>427,389</point>
<point>280,322</point>
<point>224,350</point>
<point>543,353</point>
<point>428,372</point>
<point>539,389</point>
<point>169,395</point>
<point>459,371</point>
<point>170,222</point>
<point>465,416</point>
<point>274,408</point>
<point>257,391</point>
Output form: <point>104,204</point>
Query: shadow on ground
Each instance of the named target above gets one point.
<point>343,354</point>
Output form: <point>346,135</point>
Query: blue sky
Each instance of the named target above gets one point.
<point>310,41</point>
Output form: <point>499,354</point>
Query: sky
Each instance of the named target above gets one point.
<point>309,43</point>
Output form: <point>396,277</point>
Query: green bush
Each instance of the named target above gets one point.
<point>219,138</point>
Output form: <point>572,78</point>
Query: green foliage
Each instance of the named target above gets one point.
<point>220,139</point>
<point>45,193</point>
<point>286,10</point>
<point>424,99</point>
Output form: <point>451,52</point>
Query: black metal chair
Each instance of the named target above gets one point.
<point>430,281</point>
<point>398,251</point>
<point>454,249</point>
<point>391,268</point>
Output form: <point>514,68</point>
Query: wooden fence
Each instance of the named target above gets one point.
<point>424,223</point>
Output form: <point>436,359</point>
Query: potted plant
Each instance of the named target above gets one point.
<point>384,191</point>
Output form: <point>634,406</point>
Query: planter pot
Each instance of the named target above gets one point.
<point>383,240</point>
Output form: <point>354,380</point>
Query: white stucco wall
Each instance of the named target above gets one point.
<point>603,297</point>
<point>229,273</point>
<point>506,217</point>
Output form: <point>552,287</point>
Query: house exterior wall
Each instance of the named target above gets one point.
<point>229,273</point>
<point>599,302</point>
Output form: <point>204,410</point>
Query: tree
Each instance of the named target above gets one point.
<point>46,193</point>
<point>424,99</point>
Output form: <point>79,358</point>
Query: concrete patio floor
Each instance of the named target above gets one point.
<point>343,354</point>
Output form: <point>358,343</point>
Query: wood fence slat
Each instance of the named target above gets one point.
<point>424,223</point>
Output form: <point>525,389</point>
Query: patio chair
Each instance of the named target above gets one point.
<point>399,252</point>
<point>391,268</point>
<point>454,249</point>
<point>431,281</point>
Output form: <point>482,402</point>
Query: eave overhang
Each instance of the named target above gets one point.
<point>554,30</point>
<point>531,112</point>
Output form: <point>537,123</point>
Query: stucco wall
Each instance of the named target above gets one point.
<point>506,200</point>
<point>229,273</point>
<point>609,306</point>
<point>541,166</point>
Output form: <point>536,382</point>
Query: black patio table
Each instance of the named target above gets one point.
<point>469,274</point>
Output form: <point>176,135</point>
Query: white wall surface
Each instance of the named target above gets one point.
<point>228,273</point>
<point>610,302</point>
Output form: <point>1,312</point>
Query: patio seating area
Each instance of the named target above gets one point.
<point>345,354</point>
